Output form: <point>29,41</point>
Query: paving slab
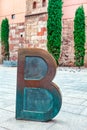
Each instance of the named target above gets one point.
<point>64,121</point>
<point>73,114</point>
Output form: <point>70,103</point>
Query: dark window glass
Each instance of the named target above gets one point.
<point>43,3</point>
<point>34,5</point>
<point>13,16</point>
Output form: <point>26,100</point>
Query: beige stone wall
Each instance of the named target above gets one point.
<point>67,48</point>
<point>39,7</point>
<point>36,31</point>
<point>86,46</point>
<point>33,33</point>
<point>36,36</point>
<point>35,24</point>
<point>16,39</point>
<point>0,54</point>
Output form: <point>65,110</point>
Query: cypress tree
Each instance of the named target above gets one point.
<point>54,27</point>
<point>79,36</point>
<point>5,38</point>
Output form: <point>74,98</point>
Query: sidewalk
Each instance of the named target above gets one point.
<point>73,114</point>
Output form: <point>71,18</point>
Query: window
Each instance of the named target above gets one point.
<point>43,3</point>
<point>13,16</point>
<point>34,5</point>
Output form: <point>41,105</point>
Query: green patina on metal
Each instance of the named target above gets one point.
<point>37,99</point>
<point>41,100</point>
<point>35,68</point>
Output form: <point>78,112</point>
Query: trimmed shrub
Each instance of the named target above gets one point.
<point>5,38</point>
<point>79,36</point>
<point>54,27</point>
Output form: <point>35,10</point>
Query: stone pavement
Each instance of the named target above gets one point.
<point>73,114</point>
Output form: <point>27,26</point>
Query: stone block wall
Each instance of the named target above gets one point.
<point>36,36</point>
<point>39,6</point>
<point>33,33</point>
<point>36,31</point>
<point>67,48</point>
<point>0,54</point>
<point>16,39</point>
<point>86,45</point>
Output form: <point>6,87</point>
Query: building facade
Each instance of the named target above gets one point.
<point>15,12</point>
<point>28,21</point>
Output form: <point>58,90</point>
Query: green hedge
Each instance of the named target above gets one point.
<point>79,36</point>
<point>54,27</point>
<point>5,38</point>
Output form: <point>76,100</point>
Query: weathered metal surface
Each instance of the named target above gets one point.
<point>37,97</point>
<point>35,68</point>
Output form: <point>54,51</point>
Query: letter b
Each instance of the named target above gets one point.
<point>38,98</point>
